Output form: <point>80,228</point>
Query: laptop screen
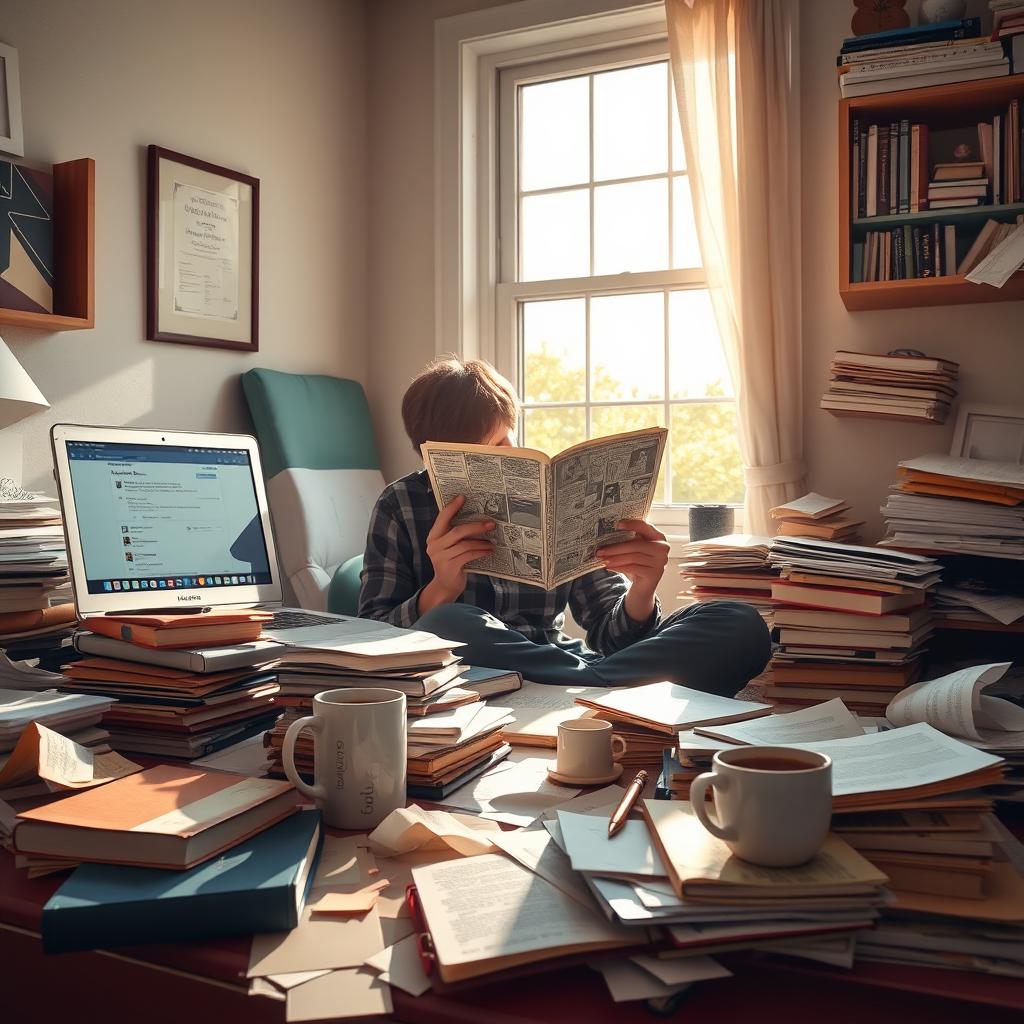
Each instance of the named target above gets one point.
<point>166,517</point>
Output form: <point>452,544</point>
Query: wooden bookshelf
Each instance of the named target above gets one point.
<point>74,227</point>
<point>939,106</point>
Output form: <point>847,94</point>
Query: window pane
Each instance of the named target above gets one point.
<point>627,346</point>
<point>555,134</point>
<point>678,151</point>
<point>554,350</point>
<point>554,234</point>
<point>685,247</point>
<point>631,122</point>
<point>631,227</point>
<point>705,454</point>
<point>696,362</point>
<point>553,430</point>
<point>617,419</point>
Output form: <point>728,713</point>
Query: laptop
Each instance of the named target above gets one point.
<point>163,520</point>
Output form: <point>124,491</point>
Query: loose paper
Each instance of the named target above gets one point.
<point>679,970</point>
<point>413,828</point>
<point>360,901</point>
<point>41,753</point>
<point>538,852</point>
<point>1002,262</point>
<point>540,708</point>
<point>400,966</point>
<point>340,994</point>
<point>287,981</point>
<point>629,852</point>
<point>627,981</point>
<point>830,720</point>
<point>954,704</point>
<point>598,799</point>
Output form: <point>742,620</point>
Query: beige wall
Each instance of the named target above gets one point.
<point>856,458</point>
<point>275,89</point>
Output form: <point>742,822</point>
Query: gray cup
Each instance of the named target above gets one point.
<point>711,521</point>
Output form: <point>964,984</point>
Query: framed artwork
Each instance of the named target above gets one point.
<point>12,136</point>
<point>202,276</point>
<point>993,432</point>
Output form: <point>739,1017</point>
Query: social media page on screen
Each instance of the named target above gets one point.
<point>165,517</point>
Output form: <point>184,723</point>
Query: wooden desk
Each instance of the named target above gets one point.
<point>197,983</point>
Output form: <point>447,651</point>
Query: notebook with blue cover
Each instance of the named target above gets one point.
<point>258,886</point>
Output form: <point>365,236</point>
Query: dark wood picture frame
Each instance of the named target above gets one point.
<point>154,332</point>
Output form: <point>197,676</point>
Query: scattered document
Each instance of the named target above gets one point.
<point>413,828</point>
<point>400,966</point>
<point>540,708</point>
<point>516,791</point>
<point>830,720</point>
<point>246,758</point>
<point>627,981</point>
<point>339,994</point>
<point>598,799</point>
<point>810,506</point>
<point>1002,262</point>
<point>630,853</point>
<point>538,852</point>
<point>678,970</point>
<point>954,704</point>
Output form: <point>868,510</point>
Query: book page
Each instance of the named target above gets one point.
<point>595,485</point>
<point>503,484</point>
<point>830,720</point>
<point>540,707</point>
<point>954,704</point>
<point>487,907</point>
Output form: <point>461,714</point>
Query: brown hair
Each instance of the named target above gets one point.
<point>458,401</point>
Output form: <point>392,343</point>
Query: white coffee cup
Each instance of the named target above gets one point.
<point>773,804</point>
<point>586,748</point>
<point>359,755</point>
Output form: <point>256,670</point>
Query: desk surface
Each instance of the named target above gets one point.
<point>205,982</point>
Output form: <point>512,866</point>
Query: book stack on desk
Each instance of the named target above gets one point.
<point>730,568</point>
<point>648,718</point>
<point>816,516</point>
<point>36,616</point>
<point>185,686</point>
<point>850,622</point>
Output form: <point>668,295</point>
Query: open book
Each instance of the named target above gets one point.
<point>553,513</point>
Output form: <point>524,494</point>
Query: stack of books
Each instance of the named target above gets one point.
<point>649,717</point>
<point>917,57</point>
<point>185,685</point>
<point>957,507</point>
<point>850,622</point>
<point>957,184</point>
<point>814,515</point>
<point>730,568</point>
<point>1008,24</point>
<point>75,716</point>
<point>904,387</point>
<point>36,616</point>
<point>888,169</point>
<point>453,736</point>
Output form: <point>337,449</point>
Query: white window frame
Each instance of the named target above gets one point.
<point>470,52</point>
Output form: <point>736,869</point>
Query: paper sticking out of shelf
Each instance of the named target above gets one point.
<point>1002,262</point>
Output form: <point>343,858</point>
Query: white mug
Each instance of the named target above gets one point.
<point>586,748</point>
<point>774,804</point>
<point>359,755</point>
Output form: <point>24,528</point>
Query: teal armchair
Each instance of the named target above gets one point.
<point>323,478</point>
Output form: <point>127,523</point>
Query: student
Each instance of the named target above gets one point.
<point>414,573</point>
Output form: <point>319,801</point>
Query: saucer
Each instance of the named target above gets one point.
<point>573,780</point>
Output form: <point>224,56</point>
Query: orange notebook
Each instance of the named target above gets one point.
<point>208,629</point>
<point>166,817</point>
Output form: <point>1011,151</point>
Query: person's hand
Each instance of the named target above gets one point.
<point>450,549</point>
<point>642,561</point>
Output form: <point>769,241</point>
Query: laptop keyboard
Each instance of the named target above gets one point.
<point>293,620</point>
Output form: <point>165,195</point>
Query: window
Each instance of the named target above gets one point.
<point>602,314</point>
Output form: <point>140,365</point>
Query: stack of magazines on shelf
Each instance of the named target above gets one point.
<point>919,56</point>
<point>906,387</point>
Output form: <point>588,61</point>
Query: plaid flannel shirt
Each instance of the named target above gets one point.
<point>396,568</point>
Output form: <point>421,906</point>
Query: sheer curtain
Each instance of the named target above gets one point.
<point>732,63</point>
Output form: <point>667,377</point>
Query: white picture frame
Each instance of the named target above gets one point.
<point>12,135</point>
<point>994,432</point>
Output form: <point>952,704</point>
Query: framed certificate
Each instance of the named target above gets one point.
<point>202,279</point>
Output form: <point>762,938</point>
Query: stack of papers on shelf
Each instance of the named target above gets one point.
<point>851,621</point>
<point>649,717</point>
<point>734,567</point>
<point>950,505</point>
<point>816,516</point>
<point>896,387</point>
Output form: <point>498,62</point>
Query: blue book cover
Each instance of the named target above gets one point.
<point>966,28</point>
<point>258,886</point>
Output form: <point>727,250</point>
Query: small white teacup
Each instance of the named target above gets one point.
<point>586,749</point>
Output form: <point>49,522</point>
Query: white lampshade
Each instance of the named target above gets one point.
<point>19,396</point>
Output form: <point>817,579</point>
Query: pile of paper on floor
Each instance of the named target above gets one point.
<point>648,718</point>
<point>36,616</point>
<point>851,621</point>
<point>815,516</point>
<point>730,568</point>
<point>957,506</point>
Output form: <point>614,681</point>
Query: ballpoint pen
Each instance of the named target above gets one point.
<point>621,813</point>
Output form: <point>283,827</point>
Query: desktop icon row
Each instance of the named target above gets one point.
<point>175,582</point>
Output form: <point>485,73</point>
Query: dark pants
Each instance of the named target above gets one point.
<point>716,647</point>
